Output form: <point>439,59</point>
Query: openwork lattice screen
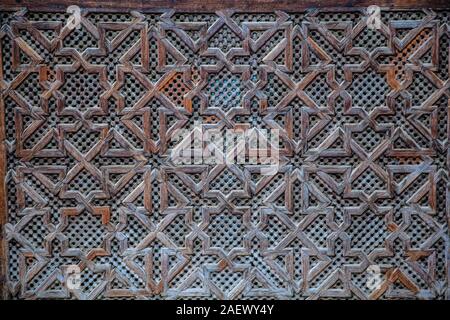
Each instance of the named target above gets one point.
<point>91,115</point>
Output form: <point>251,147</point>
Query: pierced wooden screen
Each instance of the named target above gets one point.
<point>91,114</point>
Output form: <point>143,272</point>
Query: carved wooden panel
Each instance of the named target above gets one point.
<point>91,115</point>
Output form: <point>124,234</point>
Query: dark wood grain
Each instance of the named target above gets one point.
<point>214,5</point>
<point>3,209</point>
<point>93,115</point>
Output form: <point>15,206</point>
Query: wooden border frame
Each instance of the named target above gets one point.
<point>3,208</point>
<point>183,6</point>
<point>214,5</point>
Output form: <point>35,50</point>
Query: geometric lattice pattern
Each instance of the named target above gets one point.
<point>91,114</point>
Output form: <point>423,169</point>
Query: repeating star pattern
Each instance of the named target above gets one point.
<point>92,114</point>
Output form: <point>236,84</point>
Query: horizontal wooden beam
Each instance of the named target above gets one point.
<point>214,5</point>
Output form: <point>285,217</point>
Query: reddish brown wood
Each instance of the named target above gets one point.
<point>214,5</point>
<point>296,74</point>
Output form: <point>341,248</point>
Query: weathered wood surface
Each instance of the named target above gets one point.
<point>89,117</point>
<point>214,5</point>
